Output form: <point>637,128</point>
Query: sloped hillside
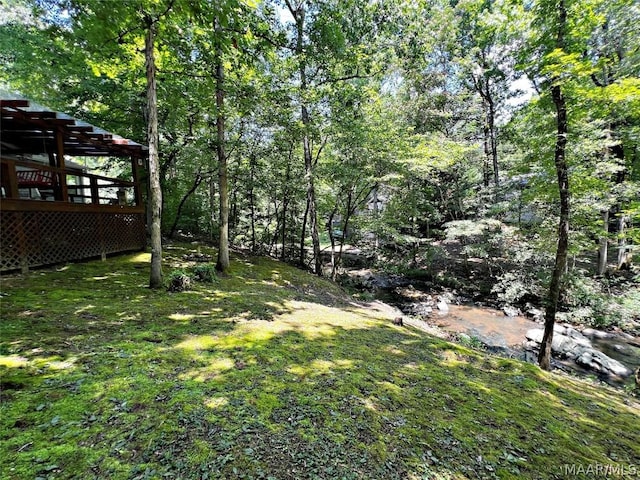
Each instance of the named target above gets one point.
<point>273,373</point>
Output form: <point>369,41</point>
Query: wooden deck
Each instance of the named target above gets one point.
<point>53,212</point>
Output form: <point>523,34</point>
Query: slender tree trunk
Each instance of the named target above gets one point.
<point>486,143</point>
<point>489,134</point>
<point>345,229</point>
<point>623,253</point>
<point>194,187</point>
<point>311,196</point>
<point>376,210</point>
<point>562,171</point>
<point>332,240</point>
<point>223,182</point>
<point>265,230</point>
<point>233,222</point>
<point>212,209</point>
<point>285,205</point>
<point>299,16</point>
<point>252,204</point>
<point>544,358</point>
<point>155,192</point>
<point>274,238</point>
<point>603,252</point>
<point>493,139</point>
<point>303,234</point>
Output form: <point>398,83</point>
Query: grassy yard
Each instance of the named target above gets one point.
<point>273,373</point>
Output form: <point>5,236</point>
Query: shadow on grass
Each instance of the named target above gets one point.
<point>191,385</point>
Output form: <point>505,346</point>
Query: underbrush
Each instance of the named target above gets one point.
<point>492,262</point>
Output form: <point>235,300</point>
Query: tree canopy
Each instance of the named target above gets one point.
<point>288,127</point>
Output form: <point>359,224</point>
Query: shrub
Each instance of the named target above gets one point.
<point>179,281</point>
<point>590,301</point>
<point>205,273</point>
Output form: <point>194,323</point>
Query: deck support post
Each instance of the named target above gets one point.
<point>62,176</point>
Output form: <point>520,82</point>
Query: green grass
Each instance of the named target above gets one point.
<point>271,373</point>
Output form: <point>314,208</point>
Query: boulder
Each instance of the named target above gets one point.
<point>562,344</point>
<point>593,333</point>
<point>418,309</point>
<point>601,363</point>
<point>569,343</point>
<point>536,314</point>
<point>442,306</point>
<point>510,311</point>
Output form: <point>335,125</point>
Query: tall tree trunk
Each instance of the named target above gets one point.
<point>350,210</point>
<point>252,204</point>
<point>623,252</point>
<point>603,251</point>
<point>155,192</point>
<point>562,171</point>
<point>332,240</point>
<point>376,209</point>
<point>486,143</point>
<point>285,204</point>
<point>489,134</point>
<point>212,208</point>
<point>223,182</point>
<point>194,187</point>
<point>299,17</point>
<point>303,234</point>
<point>311,196</point>
<point>493,139</point>
<point>273,243</point>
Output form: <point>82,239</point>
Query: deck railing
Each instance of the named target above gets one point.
<point>50,215</point>
<point>27,180</point>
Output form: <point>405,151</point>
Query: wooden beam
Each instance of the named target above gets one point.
<point>136,180</point>
<point>10,179</point>
<point>62,177</point>
<point>14,103</point>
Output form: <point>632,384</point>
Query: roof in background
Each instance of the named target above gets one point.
<point>29,128</point>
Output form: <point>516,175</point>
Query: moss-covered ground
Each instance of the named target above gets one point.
<point>273,373</point>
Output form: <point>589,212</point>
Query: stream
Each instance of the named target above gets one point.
<point>506,335</point>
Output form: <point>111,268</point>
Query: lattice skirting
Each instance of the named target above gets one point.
<point>31,239</point>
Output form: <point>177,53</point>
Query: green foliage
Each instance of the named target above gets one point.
<point>512,288</point>
<point>589,301</point>
<point>398,96</point>
<point>205,273</point>
<point>471,342</point>
<point>178,281</point>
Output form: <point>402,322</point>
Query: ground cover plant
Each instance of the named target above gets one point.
<point>272,373</point>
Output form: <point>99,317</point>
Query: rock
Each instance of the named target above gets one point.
<point>593,333</point>
<point>599,362</point>
<point>568,342</point>
<point>536,314</point>
<point>571,332</point>
<point>447,297</point>
<point>561,344</point>
<point>442,306</point>
<point>510,311</point>
<point>419,309</point>
<point>530,345</point>
<point>197,257</point>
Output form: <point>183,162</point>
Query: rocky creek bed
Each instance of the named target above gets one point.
<point>611,356</point>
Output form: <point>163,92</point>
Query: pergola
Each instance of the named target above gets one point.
<point>52,209</point>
